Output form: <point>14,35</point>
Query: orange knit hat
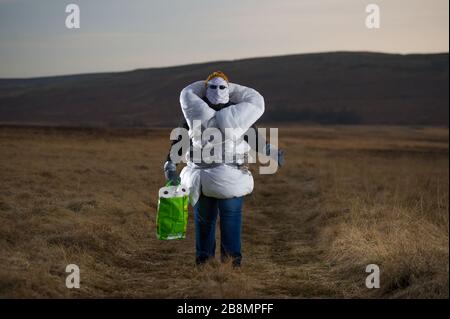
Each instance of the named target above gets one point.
<point>216,74</point>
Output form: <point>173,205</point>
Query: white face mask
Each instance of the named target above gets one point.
<point>217,91</point>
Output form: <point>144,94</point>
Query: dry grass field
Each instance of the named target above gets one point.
<point>347,197</point>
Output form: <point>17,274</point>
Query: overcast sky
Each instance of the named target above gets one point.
<point>124,35</point>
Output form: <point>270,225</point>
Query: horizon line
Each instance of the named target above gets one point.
<point>216,61</point>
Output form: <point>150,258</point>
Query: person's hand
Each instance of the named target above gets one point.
<point>272,152</point>
<point>280,158</point>
<point>170,173</point>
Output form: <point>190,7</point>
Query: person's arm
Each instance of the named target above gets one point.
<point>240,116</point>
<point>170,167</point>
<point>268,149</point>
<point>184,125</point>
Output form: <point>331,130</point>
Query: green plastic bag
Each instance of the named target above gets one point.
<point>172,215</point>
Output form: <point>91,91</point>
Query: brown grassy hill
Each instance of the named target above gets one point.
<point>327,88</point>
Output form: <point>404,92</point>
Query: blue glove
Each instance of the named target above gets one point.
<point>170,173</point>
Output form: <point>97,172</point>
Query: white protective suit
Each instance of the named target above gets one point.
<point>222,180</point>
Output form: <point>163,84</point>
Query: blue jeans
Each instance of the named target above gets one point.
<point>206,211</point>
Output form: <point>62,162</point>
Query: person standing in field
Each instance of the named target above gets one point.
<point>218,188</point>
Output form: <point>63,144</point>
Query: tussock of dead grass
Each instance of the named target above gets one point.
<point>395,215</point>
<point>220,280</point>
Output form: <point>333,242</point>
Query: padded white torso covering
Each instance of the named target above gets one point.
<point>221,181</point>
